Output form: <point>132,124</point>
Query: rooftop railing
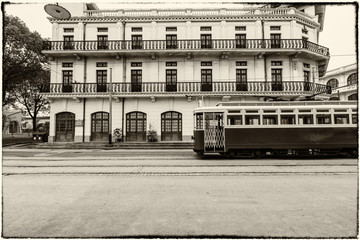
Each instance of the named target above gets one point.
<point>189,87</point>
<point>216,44</point>
<point>195,12</point>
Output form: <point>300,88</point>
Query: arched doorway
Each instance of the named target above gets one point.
<point>353,97</point>
<point>13,127</point>
<point>171,126</point>
<point>65,127</point>
<point>136,127</point>
<point>100,126</point>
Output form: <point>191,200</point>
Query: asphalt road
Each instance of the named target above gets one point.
<point>172,193</point>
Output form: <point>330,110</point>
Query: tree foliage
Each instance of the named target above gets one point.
<point>25,68</point>
<point>22,57</point>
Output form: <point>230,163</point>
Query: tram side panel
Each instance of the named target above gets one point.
<point>290,138</point>
<point>199,140</point>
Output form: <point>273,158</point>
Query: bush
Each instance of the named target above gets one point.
<point>118,137</point>
<point>151,136</point>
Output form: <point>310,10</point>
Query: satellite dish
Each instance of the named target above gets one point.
<point>57,11</point>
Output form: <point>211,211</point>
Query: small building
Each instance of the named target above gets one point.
<point>12,122</point>
<point>343,82</point>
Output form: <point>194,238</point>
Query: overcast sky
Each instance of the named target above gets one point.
<point>338,34</point>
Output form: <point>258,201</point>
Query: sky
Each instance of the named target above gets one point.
<point>338,33</point>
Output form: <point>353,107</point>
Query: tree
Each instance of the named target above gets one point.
<point>22,58</point>
<point>25,68</point>
<point>28,95</point>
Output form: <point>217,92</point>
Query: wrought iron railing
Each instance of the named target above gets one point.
<point>188,87</point>
<point>216,44</point>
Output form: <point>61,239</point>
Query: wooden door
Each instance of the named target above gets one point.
<point>65,127</point>
<point>171,126</point>
<point>136,127</point>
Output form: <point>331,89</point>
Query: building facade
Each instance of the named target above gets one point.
<point>164,63</point>
<point>343,82</point>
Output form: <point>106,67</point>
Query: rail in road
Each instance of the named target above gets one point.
<point>162,163</point>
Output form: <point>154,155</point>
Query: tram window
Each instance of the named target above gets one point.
<point>305,119</point>
<point>341,119</point>
<point>252,111</point>
<point>199,121</point>
<point>252,120</point>
<point>323,119</point>
<point>234,111</point>
<point>304,110</point>
<point>235,120</point>
<point>287,111</point>
<point>340,110</point>
<point>322,110</point>
<point>287,119</point>
<point>270,120</point>
<point>354,118</point>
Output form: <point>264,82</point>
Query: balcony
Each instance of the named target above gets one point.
<point>256,45</point>
<point>251,88</point>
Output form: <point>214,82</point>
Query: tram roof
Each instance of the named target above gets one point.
<point>282,104</point>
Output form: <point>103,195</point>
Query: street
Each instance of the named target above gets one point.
<point>173,193</point>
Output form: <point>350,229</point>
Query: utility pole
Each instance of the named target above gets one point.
<point>110,108</point>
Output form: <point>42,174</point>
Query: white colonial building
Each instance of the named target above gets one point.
<point>343,82</point>
<point>163,63</point>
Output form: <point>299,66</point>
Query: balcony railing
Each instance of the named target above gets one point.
<point>217,44</point>
<point>188,87</point>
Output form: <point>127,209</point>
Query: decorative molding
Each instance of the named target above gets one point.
<point>78,100</point>
<point>152,99</point>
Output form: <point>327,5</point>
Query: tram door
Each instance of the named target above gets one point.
<point>214,133</point>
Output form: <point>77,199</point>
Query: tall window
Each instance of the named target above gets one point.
<point>353,97</point>
<point>101,79</point>
<point>171,80</point>
<point>352,79</point>
<point>136,41</point>
<point>206,80</point>
<point>275,40</point>
<point>68,42</point>
<point>136,78</point>
<point>67,79</point>
<point>241,80</point>
<point>240,40</point>
<point>171,41</point>
<point>206,41</point>
<point>305,42</point>
<point>102,42</point>
<point>307,80</point>
<point>276,79</point>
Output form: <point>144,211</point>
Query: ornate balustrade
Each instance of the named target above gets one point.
<point>216,44</point>
<point>195,12</point>
<point>188,87</point>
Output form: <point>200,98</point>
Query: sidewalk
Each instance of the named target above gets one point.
<point>118,145</point>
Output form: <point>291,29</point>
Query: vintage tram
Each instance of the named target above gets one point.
<point>277,128</point>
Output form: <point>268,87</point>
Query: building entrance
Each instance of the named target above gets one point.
<point>136,127</point>
<point>65,127</point>
<point>100,126</point>
<point>171,126</point>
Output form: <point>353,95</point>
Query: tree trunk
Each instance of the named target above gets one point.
<point>34,123</point>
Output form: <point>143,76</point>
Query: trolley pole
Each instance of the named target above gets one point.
<point>110,108</point>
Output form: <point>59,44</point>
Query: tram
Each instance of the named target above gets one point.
<point>277,128</point>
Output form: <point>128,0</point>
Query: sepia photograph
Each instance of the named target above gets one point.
<point>180,119</point>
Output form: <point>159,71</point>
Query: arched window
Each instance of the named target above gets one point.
<point>171,126</point>
<point>136,126</point>
<point>100,126</point>
<point>334,83</point>
<point>65,127</point>
<point>353,97</point>
<point>352,79</point>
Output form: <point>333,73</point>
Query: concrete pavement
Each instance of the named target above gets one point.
<point>142,193</point>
